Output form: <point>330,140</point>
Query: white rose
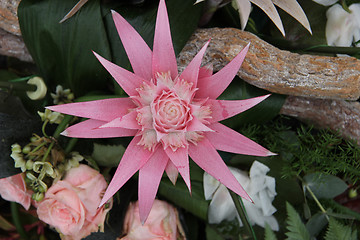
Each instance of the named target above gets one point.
<point>343,28</point>
<point>261,189</point>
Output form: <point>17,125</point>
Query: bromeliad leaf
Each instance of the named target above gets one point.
<point>62,52</point>
<point>292,7</point>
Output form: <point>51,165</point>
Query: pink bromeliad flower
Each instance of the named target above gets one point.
<point>171,116</point>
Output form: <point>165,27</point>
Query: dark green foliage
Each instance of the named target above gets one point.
<point>306,150</point>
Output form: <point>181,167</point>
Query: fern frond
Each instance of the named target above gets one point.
<point>338,231</point>
<point>269,234</point>
<point>297,229</point>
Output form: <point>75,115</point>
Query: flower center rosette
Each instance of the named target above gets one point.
<point>167,113</point>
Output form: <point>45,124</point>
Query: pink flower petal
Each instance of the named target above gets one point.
<point>164,59</point>
<point>228,140</point>
<point>191,72</point>
<point>133,159</point>
<point>180,159</point>
<point>205,155</point>
<point>223,109</point>
<point>136,48</point>
<point>206,71</point>
<point>172,172</point>
<point>149,179</point>
<point>104,110</point>
<point>214,85</point>
<point>196,125</point>
<point>127,80</point>
<point>89,129</point>
<point>127,121</point>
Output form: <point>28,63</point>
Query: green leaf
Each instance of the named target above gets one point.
<point>180,196</point>
<point>6,225</point>
<point>297,229</point>
<point>262,112</point>
<point>338,231</point>
<point>62,52</point>
<point>269,234</point>
<point>211,234</point>
<point>316,223</point>
<point>325,186</point>
<point>107,155</point>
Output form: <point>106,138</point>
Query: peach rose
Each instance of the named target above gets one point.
<point>71,205</point>
<point>13,189</point>
<point>162,223</point>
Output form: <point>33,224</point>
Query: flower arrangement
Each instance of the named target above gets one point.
<point>93,146</point>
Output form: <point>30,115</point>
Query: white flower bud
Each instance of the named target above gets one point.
<point>16,148</point>
<point>26,149</point>
<point>37,196</point>
<point>29,165</point>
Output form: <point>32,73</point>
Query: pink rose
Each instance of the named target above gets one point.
<point>14,189</point>
<point>71,205</point>
<point>162,223</point>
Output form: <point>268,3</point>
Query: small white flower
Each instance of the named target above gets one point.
<point>261,189</point>
<point>62,95</point>
<point>52,117</point>
<point>343,28</point>
<point>16,148</point>
<point>325,2</point>
<point>19,160</point>
<point>74,160</point>
<point>75,156</point>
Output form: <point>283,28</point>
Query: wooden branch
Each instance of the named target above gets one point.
<point>338,115</point>
<point>8,16</point>
<point>278,71</point>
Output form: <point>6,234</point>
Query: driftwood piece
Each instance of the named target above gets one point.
<point>11,43</point>
<point>338,115</point>
<point>278,71</point>
<point>13,46</point>
<point>8,16</point>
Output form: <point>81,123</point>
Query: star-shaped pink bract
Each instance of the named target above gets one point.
<point>171,116</point>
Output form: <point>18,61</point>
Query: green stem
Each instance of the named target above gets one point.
<point>239,205</point>
<point>317,201</point>
<point>18,86</point>
<point>70,145</point>
<point>48,151</point>
<point>38,147</point>
<point>62,126</point>
<point>43,128</point>
<point>345,6</point>
<point>16,220</point>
